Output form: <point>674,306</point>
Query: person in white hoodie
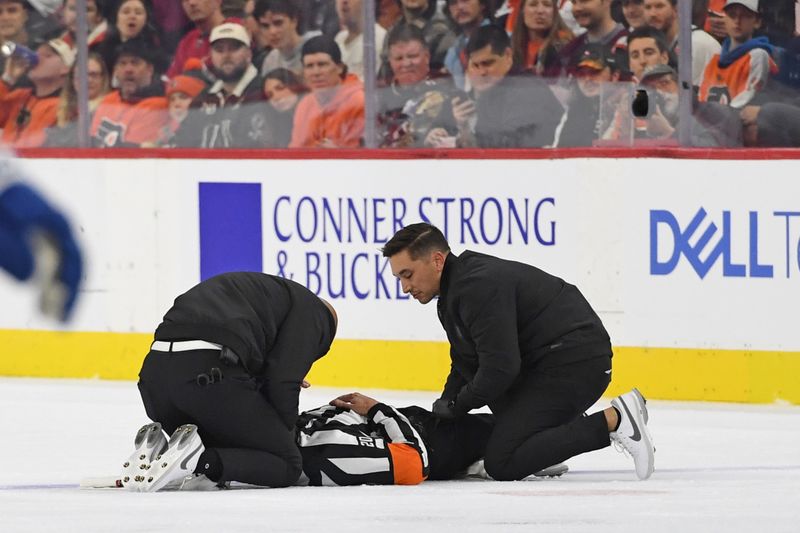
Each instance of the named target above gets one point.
<point>351,38</point>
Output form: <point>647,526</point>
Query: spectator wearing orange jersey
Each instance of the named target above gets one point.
<point>741,70</point>
<point>26,113</point>
<point>332,116</point>
<point>135,113</point>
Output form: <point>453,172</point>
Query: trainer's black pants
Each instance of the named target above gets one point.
<point>233,418</point>
<point>453,444</point>
<point>540,422</point>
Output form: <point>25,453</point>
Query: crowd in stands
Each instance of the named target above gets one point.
<point>449,73</point>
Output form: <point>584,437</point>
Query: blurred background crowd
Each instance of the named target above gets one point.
<point>446,74</point>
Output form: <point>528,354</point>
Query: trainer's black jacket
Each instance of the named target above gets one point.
<point>277,327</point>
<point>501,316</point>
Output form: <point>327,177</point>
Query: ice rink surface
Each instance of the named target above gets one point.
<point>719,467</point>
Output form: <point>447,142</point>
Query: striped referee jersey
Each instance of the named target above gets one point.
<point>341,447</point>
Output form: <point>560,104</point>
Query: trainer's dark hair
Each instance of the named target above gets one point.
<point>649,32</point>
<point>489,35</point>
<point>404,33</point>
<point>418,239</point>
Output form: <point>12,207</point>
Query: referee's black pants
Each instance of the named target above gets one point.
<point>540,421</point>
<point>233,417</point>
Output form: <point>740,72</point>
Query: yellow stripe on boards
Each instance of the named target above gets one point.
<point>660,373</point>
<point>708,375</point>
<point>66,354</point>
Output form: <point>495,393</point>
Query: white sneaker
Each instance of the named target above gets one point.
<point>148,443</point>
<point>632,434</point>
<point>176,464</point>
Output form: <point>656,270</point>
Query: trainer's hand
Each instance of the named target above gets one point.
<point>444,408</point>
<point>305,384</point>
<point>24,214</point>
<point>355,402</point>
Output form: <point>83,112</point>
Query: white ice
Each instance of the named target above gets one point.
<point>719,467</point>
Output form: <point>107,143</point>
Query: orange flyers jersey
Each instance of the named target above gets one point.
<point>736,84</point>
<point>120,123</point>
<point>24,117</point>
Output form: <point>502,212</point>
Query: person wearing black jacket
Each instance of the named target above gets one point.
<point>528,345</point>
<point>223,376</point>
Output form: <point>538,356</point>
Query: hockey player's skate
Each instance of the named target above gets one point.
<point>632,434</point>
<point>149,443</point>
<point>170,470</point>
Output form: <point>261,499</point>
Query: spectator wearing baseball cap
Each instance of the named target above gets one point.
<point>593,68</point>
<point>332,115</point>
<point>229,113</point>
<point>740,72</point>
<point>25,112</point>
<point>133,114</point>
<point>181,91</point>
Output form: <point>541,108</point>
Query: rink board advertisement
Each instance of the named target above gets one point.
<point>694,266</point>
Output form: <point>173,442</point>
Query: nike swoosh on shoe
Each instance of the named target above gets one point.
<point>636,435</point>
<point>186,460</point>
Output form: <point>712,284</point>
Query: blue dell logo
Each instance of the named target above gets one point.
<point>705,249</point>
